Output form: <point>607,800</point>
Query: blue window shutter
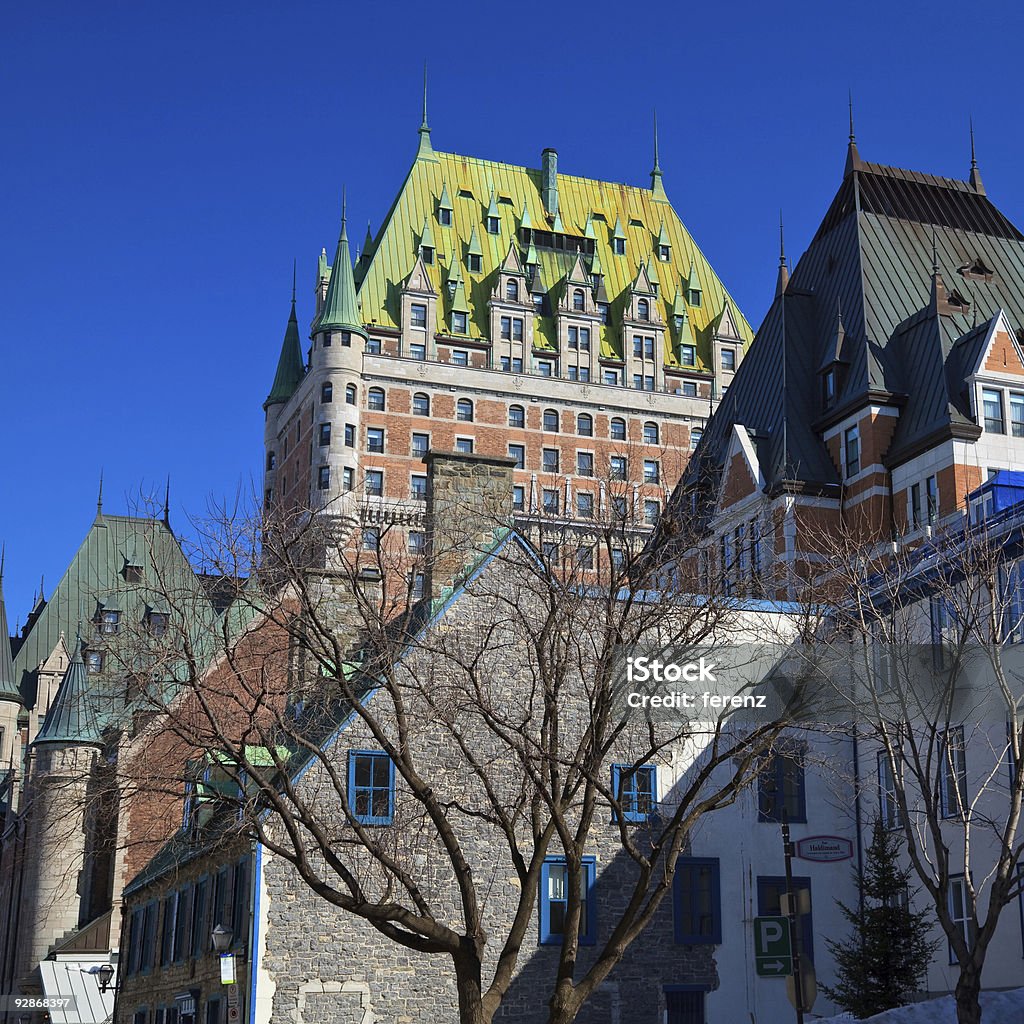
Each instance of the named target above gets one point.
<point>697,901</point>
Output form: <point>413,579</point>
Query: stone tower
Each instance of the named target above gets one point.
<point>62,766</point>
<point>10,705</point>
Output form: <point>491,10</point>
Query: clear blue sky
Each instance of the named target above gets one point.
<point>161,165</point>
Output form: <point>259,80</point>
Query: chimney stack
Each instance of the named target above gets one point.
<point>469,499</point>
<point>549,181</point>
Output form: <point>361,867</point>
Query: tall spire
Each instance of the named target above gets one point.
<point>783,279</point>
<point>290,370</point>
<point>341,311</point>
<point>852,156</point>
<point>167,489</point>
<point>425,148</point>
<point>657,186</point>
<point>8,686</point>
<point>71,718</point>
<point>975,177</point>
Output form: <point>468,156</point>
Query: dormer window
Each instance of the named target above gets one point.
<point>976,271</point>
<point>643,309</point>
<point>538,303</point>
<point>602,311</point>
<point>428,254</point>
<point>493,225</point>
<point>664,253</point>
<point>654,287</point>
<point>578,301</point>
<point>512,290</point>
<point>695,297</point>
<point>729,359</point>
<point>459,322</point>
<point>828,387</point>
<point>444,217</point>
<point>619,246</point>
<point>474,263</point>
<point>156,623</point>
<point>688,355</point>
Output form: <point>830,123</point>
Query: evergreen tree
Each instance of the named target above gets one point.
<point>885,959</point>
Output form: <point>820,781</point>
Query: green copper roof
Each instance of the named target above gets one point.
<point>290,367</point>
<point>663,238</point>
<point>8,685</point>
<point>595,264</point>
<point>445,202</point>
<point>651,266</point>
<point>341,311</point>
<point>588,228</point>
<point>72,718</point>
<point>426,236</point>
<point>492,209</point>
<point>630,213</point>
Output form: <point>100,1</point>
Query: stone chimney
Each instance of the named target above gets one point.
<point>549,181</point>
<point>469,499</point>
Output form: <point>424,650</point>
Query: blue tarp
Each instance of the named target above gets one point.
<point>1002,491</point>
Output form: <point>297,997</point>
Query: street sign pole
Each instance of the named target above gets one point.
<point>791,913</point>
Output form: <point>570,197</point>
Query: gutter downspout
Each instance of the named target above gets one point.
<point>254,920</point>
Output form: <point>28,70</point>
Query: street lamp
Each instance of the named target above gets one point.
<point>221,938</point>
<point>103,973</point>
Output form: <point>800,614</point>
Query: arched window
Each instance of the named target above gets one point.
<point>516,416</point>
<point>643,309</point>
<point>420,404</point>
<point>326,392</point>
<point>350,394</point>
<point>650,433</point>
<point>577,299</point>
<point>618,429</point>
<point>551,420</point>
<point>512,290</point>
<point>375,399</point>
<point>585,425</point>
<point>464,410</point>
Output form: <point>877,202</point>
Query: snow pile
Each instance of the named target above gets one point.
<point>996,1008</point>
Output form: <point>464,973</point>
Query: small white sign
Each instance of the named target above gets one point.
<point>824,849</point>
<point>227,968</point>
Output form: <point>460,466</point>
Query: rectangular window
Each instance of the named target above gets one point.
<point>200,931</point>
<point>110,622</point>
<point>638,381</point>
<point>518,452</point>
<point>612,378</point>
<point>771,889</point>
<point>419,488</point>
<point>350,435</point>
<point>518,498</point>
<point>585,373</point>
<point>696,898</point>
<point>1012,590</point>
<point>505,364</point>
<point>371,538</point>
<point>688,355</point>
<point>931,490</point>
<point>373,346</point>
<point>992,406</point>
<point>444,216</point>
<point>459,322</point>
<point>648,348</point>
<point>585,556</point>
<point>651,471</point>
<point>418,314</point>
<point>619,507</point>
<point>619,246</point>
<point>375,483</point>
<point>584,505</point>
<point>325,435</point>
<point>517,365</point>
<point>420,444</point>
<point>585,339</point>
<point>888,804</point>
<point>602,311</point>
<point>638,345</point>
<point>915,505</point>
<point>538,304</point>
<point>371,787</point>
<point>729,359</point>
<point>545,368</point>
<point>506,328</point>
<point>517,328</point>
<point>636,790</point>
<point>554,901</point>
<point>213,1013</point>
<point>375,440</point>
<point>549,549</point>
<point>459,357</point>
<point>648,383</point>
<point>240,903</point>
<point>584,464</point>
<point>182,924</point>
<point>574,337</point>
<point>573,373</point>
<point>651,511</point>
<point>475,262</point>
<point>1017,414</point>
<point>958,902</point>
<point>418,352</point>
<point>167,929</point>
<point>551,501</point>
<point>852,437</point>
<point>347,478</point>
<point>549,463</point>
<point>417,542</point>
<point>952,773</point>
<point>780,787</point>
<point>617,467</point>
<point>464,445</point>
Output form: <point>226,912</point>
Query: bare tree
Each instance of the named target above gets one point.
<point>500,714</point>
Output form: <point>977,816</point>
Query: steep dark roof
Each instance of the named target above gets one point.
<point>72,717</point>
<point>8,684</point>
<point>872,258</point>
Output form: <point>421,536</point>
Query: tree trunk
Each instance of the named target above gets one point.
<point>467,981</point>
<point>967,993</point>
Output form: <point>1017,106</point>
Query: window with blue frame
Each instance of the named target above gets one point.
<point>554,900</point>
<point>636,789</point>
<point>696,900</point>
<point>781,788</point>
<point>371,787</point>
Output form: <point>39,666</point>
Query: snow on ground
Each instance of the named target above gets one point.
<point>996,1008</point>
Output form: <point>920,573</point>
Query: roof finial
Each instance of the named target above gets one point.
<point>167,496</point>
<point>782,240</point>
<point>3,558</point>
<point>975,175</point>
<point>295,264</point>
<point>99,497</point>
<point>782,281</point>
<point>656,184</point>
<point>852,156</point>
<point>344,216</point>
<point>425,148</point>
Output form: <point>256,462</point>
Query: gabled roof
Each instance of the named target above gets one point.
<point>633,213</point>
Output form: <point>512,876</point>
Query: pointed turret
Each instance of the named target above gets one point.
<point>492,208</point>
<point>852,156</point>
<point>657,185</point>
<point>290,368</point>
<point>445,203</point>
<point>8,686</point>
<point>71,718</point>
<point>426,236</point>
<point>341,312</point>
<point>425,149</point>
<point>474,244</point>
<point>782,281</point>
<point>588,228</point>
<point>975,176</point>
<point>834,352</point>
